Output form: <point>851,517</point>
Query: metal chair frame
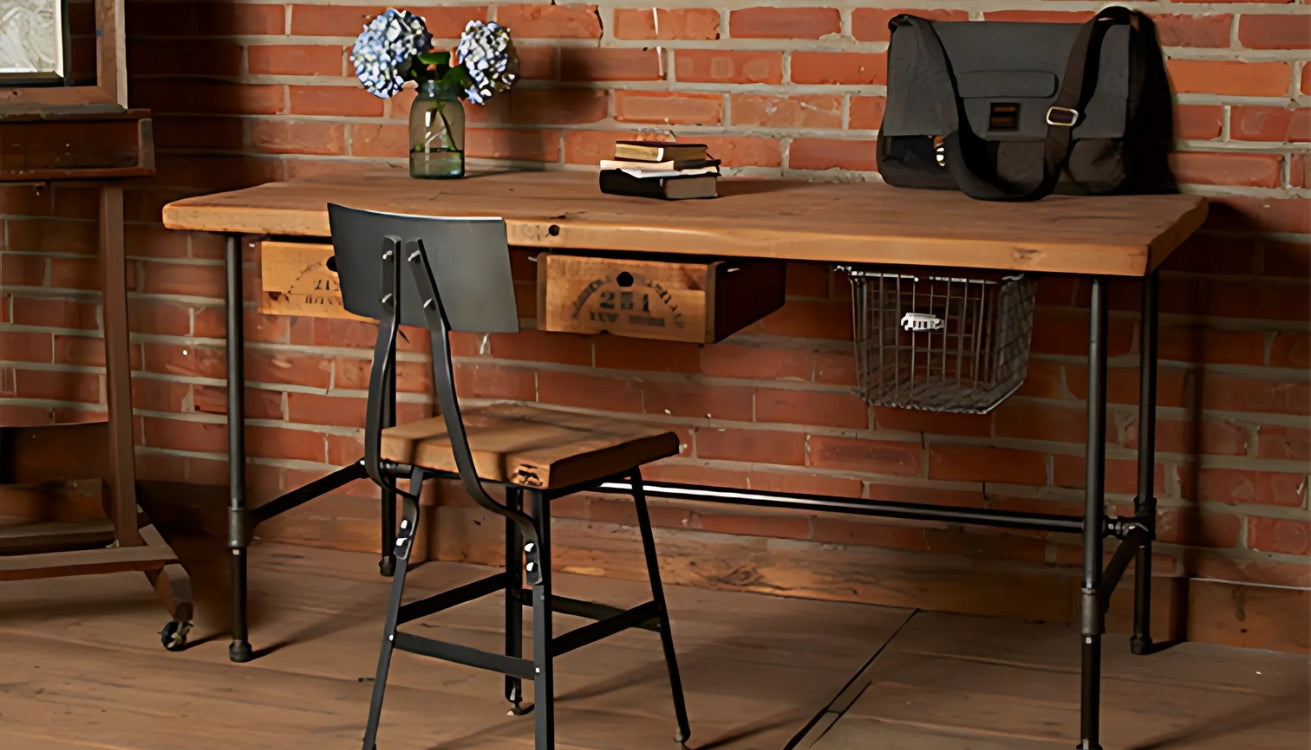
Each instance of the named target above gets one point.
<point>527,535</point>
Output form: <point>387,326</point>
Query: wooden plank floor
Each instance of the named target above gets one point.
<point>951,682</point>
<point>82,667</point>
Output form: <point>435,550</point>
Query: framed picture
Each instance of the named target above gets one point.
<point>34,46</point>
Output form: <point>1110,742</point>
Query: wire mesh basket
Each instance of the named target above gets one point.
<point>940,342</point>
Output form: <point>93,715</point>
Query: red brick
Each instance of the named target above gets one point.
<point>353,374</point>
<point>1299,171</point>
<point>669,108</point>
<point>1039,16</point>
<point>754,446</point>
<point>188,279</point>
<point>1234,393</point>
<point>35,235</point>
<point>811,408</point>
<point>279,442</point>
<point>1287,443</point>
<point>259,403</point>
<point>335,332</point>
<point>296,60</point>
<point>1173,387</point>
<point>1271,214</point>
<point>154,241</point>
<point>1066,332</point>
<point>195,97</point>
<point>1212,437</point>
<point>784,23</point>
<point>725,360</point>
<point>858,68</point>
<point>1283,535</point>
<point>627,353</point>
<point>1212,346</point>
<point>537,63</point>
<point>538,346</point>
<point>1030,420</point>
<point>835,369</point>
<point>23,270</point>
<point>743,151</point>
<point>699,401</point>
<point>866,456</point>
<point>493,381</point>
<point>264,366</point>
<point>680,23</point>
<point>1249,170</point>
<point>589,391</point>
<point>1121,475</point>
<point>1238,487</point>
<point>190,57</point>
<point>806,279</point>
<point>979,463</point>
<point>1280,258</point>
<point>87,351</point>
<point>805,318</point>
<point>871,24</point>
<point>1267,299</point>
<point>335,101</point>
<point>81,273</point>
<point>19,346</point>
<point>553,106</point>
<point>191,361</point>
<point>523,145</point>
<point>185,435</point>
<point>1176,30</point>
<point>1188,526</point>
<point>208,19</point>
<point>349,20</point>
<point>317,409</point>
<point>1270,124</point>
<point>298,137</point>
<point>1198,122</point>
<point>727,66</point>
<point>1215,254</point>
<point>369,139</point>
<point>940,423</point>
<point>863,533</point>
<point>832,153</point>
<point>609,64</point>
<point>763,110</point>
<point>866,112</point>
<point>550,21</point>
<point>808,484</point>
<point>1230,77</point>
<point>1272,31</point>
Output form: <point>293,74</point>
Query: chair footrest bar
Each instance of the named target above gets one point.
<point>470,657</point>
<point>564,605</point>
<point>451,598</point>
<point>301,495</point>
<point>635,617</point>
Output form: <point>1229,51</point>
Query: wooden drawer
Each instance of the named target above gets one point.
<point>676,299</point>
<point>297,278</point>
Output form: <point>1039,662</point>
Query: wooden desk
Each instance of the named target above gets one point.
<point>864,224</point>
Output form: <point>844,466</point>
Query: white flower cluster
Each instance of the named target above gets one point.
<point>386,49</point>
<point>488,55</point>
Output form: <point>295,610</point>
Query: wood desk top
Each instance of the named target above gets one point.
<point>857,223</point>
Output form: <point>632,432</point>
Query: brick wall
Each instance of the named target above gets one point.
<point>252,91</point>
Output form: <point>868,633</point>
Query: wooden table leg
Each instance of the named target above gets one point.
<point>118,368</point>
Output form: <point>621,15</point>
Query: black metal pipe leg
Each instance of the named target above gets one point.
<point>239,649</point>
<point>1092,620</point>
<point>539,573</point>
<point>1145,502</point>
<point>658,596</point>
<point>513,607</point>
<point>404,544</point>
<point>387,565</point>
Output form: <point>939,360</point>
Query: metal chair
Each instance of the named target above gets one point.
<point>453,274</point>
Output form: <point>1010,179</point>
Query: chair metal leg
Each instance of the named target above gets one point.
<point>658,596</point>
<point>387,565</point>
<point>544,681</point>
<point>1093,616</point>
<point>404,543</point>
<point>1145,503</point>
<point>513,607</point>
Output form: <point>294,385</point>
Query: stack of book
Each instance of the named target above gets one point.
<point>660,169</point>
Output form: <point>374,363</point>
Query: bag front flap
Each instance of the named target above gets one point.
<point>1007,75</point>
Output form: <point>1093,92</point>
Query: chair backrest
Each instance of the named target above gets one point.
<point>466,284</point>
<point>469,256</point>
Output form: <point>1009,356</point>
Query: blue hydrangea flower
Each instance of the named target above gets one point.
<point>488,55</point>
<point>387,48</point>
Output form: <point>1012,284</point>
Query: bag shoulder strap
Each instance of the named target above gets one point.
<point>968,155</point>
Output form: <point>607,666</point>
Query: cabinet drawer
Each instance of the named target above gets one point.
<point>297,278</point>
<point>675,299</point>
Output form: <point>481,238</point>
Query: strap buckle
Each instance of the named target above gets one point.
<point>1071,113</point>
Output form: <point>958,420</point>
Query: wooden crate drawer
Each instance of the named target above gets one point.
<point>297,278</point>
<point>677,299</point>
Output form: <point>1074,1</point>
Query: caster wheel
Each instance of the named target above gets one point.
<point>387,566</point>
<point>174,635</point>
<point>518,710</point>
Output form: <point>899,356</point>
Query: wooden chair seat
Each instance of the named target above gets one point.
<point>532,446</point>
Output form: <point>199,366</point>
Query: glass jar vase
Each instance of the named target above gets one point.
<point>437,132</point>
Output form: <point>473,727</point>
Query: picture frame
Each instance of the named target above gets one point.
<point>34,43</point>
